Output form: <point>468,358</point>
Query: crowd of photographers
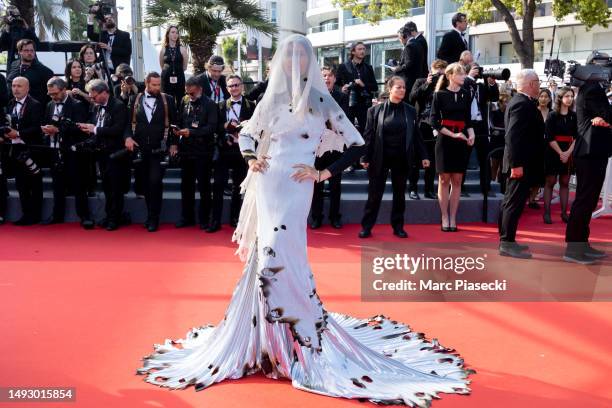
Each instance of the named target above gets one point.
<point>99,123</point>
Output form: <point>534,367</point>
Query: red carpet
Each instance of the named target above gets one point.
<point>80,308</point>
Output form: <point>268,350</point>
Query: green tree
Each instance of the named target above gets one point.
<point>229,47</point>
<point>48,15</point>
<point>202,20</point>
<point>78,26</point>
<point>588,12</point>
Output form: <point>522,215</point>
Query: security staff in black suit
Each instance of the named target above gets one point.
<point>524,129</point>
<point>391,134</point>
<point>410,66</point>
<point>326,160</point>
<point>67,167</point>
<point>421,97</point>
<point>592,149</point>
<point>151,114</point>
<point>29,67</point>
<point>420,39</point>
<point>356,79</point>
<point>213,82</point>
<point>24,130</point>
<point>195,142</point>
<point>454,41</point>
<point>116,44</point>
<point>482,93</point>
<point>232,113</point>
<point>107,124</point>
<point>4,98</point>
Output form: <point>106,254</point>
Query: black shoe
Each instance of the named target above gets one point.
<point>52,220</point>
<point>24,221</point>
<point>214,226</point>
<point>336,223</point>
<point>365,233</point>
<point>594,253</point>
<point>444,228</point>
<point>533,205</point>
<point>564,217</point>
<point>233,222</point>
<point>152,226</point>
<point>431,195</point>
<point>464,193</point>
<point>547,219</point>
<point>2,220</point>
<point>103,222</point>
<point>453,229</point>
<point>112,226</point>
<point>316,223</point>
<point>521,247</point>
<point>510,249</point>
<point>413,195</point>
<point>579,258</point>
<point>400,233</point>
<point>87,224</point>
<point>204,227</point>
<point>184,223</point>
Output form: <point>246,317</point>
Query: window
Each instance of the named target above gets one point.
<point>273,12</point>
<point>508,56</point>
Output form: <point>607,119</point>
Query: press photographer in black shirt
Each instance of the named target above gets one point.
<point>68,168</point>
<point>15,29</point>
<point>116,44</point>
<point>29,67</point>
<point>150,114</point>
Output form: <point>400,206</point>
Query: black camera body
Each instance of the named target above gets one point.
<point>499,74</point>
<point>103,10</point>
<point>357,94</point>
<point>89,145</point>
<point>597,69</point>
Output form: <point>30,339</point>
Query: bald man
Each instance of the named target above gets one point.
<point>24,129</point>
<point>522,156</point>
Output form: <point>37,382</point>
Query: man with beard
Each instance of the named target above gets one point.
<point>29,67</point>
<point>116,45</point>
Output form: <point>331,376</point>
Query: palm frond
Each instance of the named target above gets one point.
<point>49,19</point>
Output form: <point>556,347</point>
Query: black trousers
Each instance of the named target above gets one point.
<point>30,190</point>
<point>481,144</point>
<point>113,183</point>
<point>590,176</point>
<point>234,162</point>
<point>73,176</point>
<point>335,188</point>
<point>3,195</point>
<point>192,169</point>
<point>430,172</point>
<point>359,112</point>
<point>513,203</point>
<point>151,173</point>
<point>376,187</point>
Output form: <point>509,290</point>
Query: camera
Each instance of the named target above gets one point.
<point>499,74</point>
<point>357,93</point>
<point>89,145</point>
<point>130,80</point>
<point>13,19</point>
<point>102,10</point>
<point>25,159</point>
<point>598,68</point>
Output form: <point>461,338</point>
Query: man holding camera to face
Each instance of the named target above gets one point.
<point>231,114</point>
<point>116,44</point>
<point>61,131</point>
<point>151,113</point>
<point>15,29</point>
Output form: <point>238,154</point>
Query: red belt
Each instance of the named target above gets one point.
<point>564,139</point>
<point>457,125</point>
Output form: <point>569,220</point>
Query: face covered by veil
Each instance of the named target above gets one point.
<point>295,82</point>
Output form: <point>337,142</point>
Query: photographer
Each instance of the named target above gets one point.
<point>29,67</point>
<point>125,84</point>
<point>356,78</point>
<point>232,113</point>
<point>23,130</point>
<point>592,148</point>
<point>151,114</point>
<point>15,29</point>
<point>213,82</point>
<point>116,44</point>
<point>421,97</point>
<point>194,142</point>
<point>60,128</point>
<point>107,124</point>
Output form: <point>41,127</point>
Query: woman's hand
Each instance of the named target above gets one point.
<point>470,140</point>
<point>305,172</point>
<point>259,165</point>
<point>564,156</point>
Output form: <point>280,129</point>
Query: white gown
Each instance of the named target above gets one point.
<point>276,323</point>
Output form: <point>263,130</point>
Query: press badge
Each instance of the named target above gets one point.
<point>173,80</point>
<point>195,124</point>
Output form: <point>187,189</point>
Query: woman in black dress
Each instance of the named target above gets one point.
<point>75,81</point>
<point>545,106</point>
<point>561,129</point>
<point>451,119</point>
<point>173,60</point>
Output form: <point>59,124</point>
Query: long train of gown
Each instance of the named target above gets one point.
<point>276,323</point>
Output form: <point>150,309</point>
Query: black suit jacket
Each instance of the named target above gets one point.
<point>30,121</point>
<point>121,52</point>
<point>420,96</point>
<point>420,39</point>
<point>37,74</point>
<point>486,93</point>
<point>75,111</point>
<point>593,141</point>
<point>201,139</point>
<point>341,99</point>
<point>411,63</point>
<point>258,91</point>
<point>451,47</point>
<point>373,136</point>
<point>204,81</point>
<point>346,74</point>
<point>524,137</point>
<point>4,94</point>
<point>150,135</point>
<point>110,136</point>
<point>247,108</point>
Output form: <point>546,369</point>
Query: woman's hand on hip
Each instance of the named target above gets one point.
<point>259,165</point>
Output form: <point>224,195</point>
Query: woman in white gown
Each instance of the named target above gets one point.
<point>275,322</point>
